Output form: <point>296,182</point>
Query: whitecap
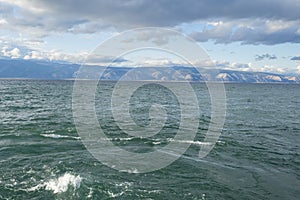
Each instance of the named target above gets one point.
<point>57,136</point>
<point>156,143</point>
<point>190,142</point>
<point>90,195</point>
<point>114,195</point>
<point>123,139</point>
<point>124,184</point>
<point>221,142</point>
<point>60,184</point>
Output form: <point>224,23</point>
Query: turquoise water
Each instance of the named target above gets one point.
<point>256,157</point>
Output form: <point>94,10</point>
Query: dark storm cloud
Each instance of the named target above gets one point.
<point>248,22</point>
<point>171,12</point>
<point>265,56</point>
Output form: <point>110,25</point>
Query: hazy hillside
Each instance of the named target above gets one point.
<point>49,70</point>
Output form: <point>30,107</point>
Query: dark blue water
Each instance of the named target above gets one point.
<point>256,157</point>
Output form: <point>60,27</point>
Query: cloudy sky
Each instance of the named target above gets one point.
<point>256,35</point>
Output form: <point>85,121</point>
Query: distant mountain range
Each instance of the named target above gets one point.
<point>32,69</point>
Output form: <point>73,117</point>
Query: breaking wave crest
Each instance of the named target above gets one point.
<point>57,136</point>
<point>60,184</point>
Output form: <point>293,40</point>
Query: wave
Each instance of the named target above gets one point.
<point>60,184</point>
<point>57,136</point>
<point>157,142</point>
<point>189,142</point>
<point>114,195</point>
<point>124,186</point>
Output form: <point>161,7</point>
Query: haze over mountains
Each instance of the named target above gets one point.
<point>33,69</point>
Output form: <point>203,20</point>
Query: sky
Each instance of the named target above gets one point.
<point>256,35</point>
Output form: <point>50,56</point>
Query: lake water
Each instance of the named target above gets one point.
<point>256,157</point>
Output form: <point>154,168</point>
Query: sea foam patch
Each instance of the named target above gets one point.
<point>57,136</point>
<point>60,184</point>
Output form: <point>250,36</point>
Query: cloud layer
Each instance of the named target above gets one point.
<point>253,22</point>
<point>25,25</point>
<point>162,12</point>
<point>250,31</point>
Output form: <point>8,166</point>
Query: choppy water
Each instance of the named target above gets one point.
<point>256,157</point>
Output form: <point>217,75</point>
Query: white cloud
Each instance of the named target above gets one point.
<point>249,67</point>
<point>273,69</point>
<point>24,4</point>
<point>4,51</point>
<point>27,57</point>
<point>233,66</point>
<point>11,53</point>
<point>3,21</point>
<point>56,56</point>
<point>298,69</point>
<point>250,31</point>
<point>15,53</point>
<point>159,62</point>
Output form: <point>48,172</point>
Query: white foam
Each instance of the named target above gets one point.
<point>221,142</point>
<point>189,142</point>
<point>123,139</point>
<point>124,184</point>
<point>50,131</point>
<point>156,142</point>
<point>114,195</point>
<point>57,136</point>
<point>59,185</point>
<point>62,183</point>
<point>90,195</point>
<point>35,188</point>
